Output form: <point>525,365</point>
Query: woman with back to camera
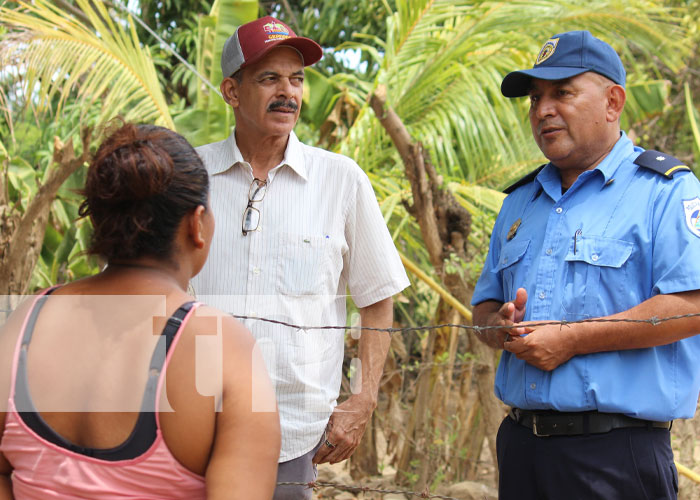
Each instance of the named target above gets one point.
<point>84,409</point>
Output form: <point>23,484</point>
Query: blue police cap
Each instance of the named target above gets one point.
<point>566,55</point>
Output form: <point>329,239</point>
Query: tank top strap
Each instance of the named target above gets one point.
<point>158,360</point>
<point>25,334</point>
<point>161,357</point>
<point>145,430</point>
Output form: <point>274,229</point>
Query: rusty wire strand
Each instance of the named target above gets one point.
<point>652,321</point>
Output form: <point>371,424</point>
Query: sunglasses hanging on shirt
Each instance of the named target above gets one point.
<point>251,215</point>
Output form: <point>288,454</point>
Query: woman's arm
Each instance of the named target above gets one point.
<point>8,339</point>
<point>5,473</point>
<point>246,447</point>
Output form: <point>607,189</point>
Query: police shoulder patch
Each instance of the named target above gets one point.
<point>525,180</point>
<point>692,215</point>
<point>661,163</point>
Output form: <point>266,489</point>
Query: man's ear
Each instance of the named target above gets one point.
<point>229,91</point>
<point>196,227</point>
<point>616,97</point>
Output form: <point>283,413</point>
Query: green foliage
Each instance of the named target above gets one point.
<point>693,120</point>
<point>645,101</point>
<point>63,256</point>
<point>332,24</point>
<point>113,69</point>
<point>52,92</point>
<point>442,62</point>
<point>210,119</point>
<point>672,129</point>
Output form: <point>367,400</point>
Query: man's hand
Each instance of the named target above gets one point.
<point>349,419</point>
<point>490,313</point>
<point>544,347</point>
<point>345,429</point>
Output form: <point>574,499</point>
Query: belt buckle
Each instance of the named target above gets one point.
<point>535,431</point>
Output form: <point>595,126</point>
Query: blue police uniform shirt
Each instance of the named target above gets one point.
<point>618,236</point>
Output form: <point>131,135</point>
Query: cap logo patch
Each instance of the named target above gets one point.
<point>692,215</point>
<point>275,31</point>
<point>547,50</point>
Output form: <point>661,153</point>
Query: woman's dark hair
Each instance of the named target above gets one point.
<point>143,180</point>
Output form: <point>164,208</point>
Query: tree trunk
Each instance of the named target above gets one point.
<point>22,234</point>
<point>445,227</point>
<point>415,431</point>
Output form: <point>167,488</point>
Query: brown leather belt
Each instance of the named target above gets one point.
<point>554,423</point>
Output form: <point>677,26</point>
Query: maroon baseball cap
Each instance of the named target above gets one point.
<point>253,40</point>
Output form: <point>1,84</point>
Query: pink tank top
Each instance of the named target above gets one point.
<point>45,470</point>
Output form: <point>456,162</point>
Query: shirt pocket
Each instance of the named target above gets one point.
<point>306,266</point>
<point>595,276</point>
<point>512,267</point>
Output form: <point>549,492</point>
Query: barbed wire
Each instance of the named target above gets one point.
<point>364,489</point>
<point>654,320</point>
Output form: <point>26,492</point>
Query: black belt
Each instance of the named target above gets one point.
<point>553,423</point>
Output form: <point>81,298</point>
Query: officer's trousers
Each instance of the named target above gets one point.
<point>623,464</point>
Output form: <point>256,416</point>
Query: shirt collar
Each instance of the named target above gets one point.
<point>550,179</point>
<point>622,149</point>
<point>293,156</point>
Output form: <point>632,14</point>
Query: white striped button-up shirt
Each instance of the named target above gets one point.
<point>321,233</point>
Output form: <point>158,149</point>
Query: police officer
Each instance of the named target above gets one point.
<point>605,230</point>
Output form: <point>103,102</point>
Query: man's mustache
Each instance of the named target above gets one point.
<point>290,104</point>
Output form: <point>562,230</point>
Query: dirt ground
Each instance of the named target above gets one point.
<point>483,488</point>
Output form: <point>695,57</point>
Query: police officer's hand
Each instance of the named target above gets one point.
<point>544,347</point>
<point>507,315</point>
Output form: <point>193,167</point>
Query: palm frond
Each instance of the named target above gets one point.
<point>692,116</point>
<point>445,60</point>
<point>211,119</point>
<point>103,63</point>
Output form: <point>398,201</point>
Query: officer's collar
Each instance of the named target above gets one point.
<point>550,180</point>
<point>615,158</point>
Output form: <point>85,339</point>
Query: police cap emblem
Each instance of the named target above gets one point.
<point>547,50</point>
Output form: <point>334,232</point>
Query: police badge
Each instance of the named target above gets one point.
<point>513,229</point>
<point>547,50</point>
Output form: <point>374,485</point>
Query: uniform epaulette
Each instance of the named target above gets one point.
<point>661,163</point>
<point>525,180</point>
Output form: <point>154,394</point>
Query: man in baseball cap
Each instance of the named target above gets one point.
<point>586,237</point>
<point>297,227</point>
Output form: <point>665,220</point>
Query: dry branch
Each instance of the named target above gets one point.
<point>22,234</point>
